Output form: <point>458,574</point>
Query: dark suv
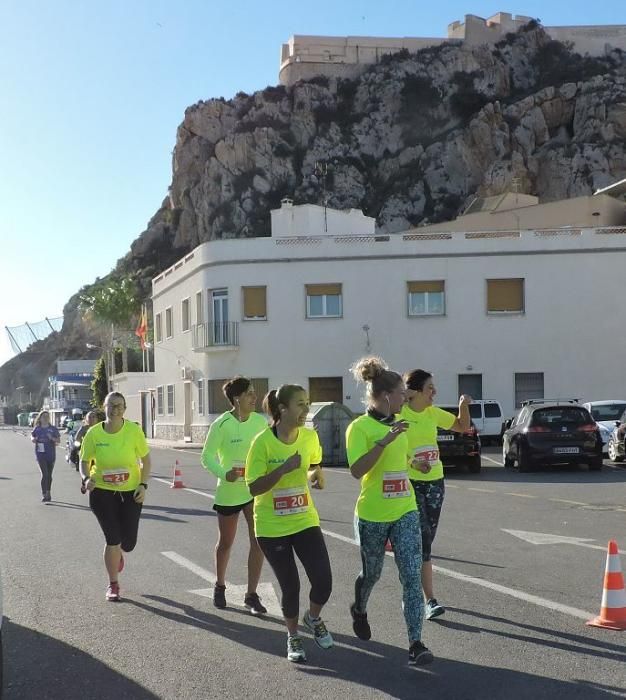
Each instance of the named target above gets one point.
<point>459,448</point>
<point>551,432</point>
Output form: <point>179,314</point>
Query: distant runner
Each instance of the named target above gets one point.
<point>46,438</point>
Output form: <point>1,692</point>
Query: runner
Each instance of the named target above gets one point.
<point>115,467</point>
<point>90,420</point>
<point>282,459</point>
<point>46,437</point>
<point>224,454</point>
<point>386,510</point>
<point>426,471</point>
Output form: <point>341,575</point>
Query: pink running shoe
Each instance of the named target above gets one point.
<point>113,592</point>
<point>120,567</point>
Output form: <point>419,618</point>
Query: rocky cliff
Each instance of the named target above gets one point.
<point>408,143</point>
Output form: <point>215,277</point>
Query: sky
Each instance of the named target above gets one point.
<point>91,94</point>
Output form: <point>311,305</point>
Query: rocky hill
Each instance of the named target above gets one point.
<point>408,143</point>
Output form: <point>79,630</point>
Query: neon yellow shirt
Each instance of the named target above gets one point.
<point>422,438</point>
<point>386,493</point>
<point>287,508</point>
<point>115,457</point>
<point>225,448</point>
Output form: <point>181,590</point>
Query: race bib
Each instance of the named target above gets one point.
<point>240,470</point>
<point>427,453</point>
<point>115,476</point>
<point>396,485</point>
<point>41,447</point>
<point>290,501</point>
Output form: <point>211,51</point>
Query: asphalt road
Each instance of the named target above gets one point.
<point>515,626</point>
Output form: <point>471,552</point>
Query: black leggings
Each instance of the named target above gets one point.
<point>118,515</point>
<point>310,549</point>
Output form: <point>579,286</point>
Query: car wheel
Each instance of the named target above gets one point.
<point>474,465</point>
<point>613,456</point>
<point>524,463</point>
<point>595,465</point>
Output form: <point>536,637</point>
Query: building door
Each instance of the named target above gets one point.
<point>326,389</point>
<point>471,384</point>
<point>220,316</point>
<point>528,385</point>
<point>187,412</point>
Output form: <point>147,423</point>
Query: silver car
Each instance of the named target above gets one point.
<point>605,413</point>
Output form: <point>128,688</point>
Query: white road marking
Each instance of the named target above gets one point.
<point>471,488</point>
<point>572,503</point>
<point>265,590</point>
<point>493,461</point>
<point>545,538</point>
<point>185,488</point>
<point>520,495</point>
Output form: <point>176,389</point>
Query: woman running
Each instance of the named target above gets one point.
<point>115,467</point>
<point>281,462</point>
<point>426,471</point>
<point>224,454</point>
<point>386,510</point>
<point>46,438</point>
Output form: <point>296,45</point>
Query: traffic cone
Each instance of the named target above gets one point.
<point>388,546</point>
<point>177,482</point>
<point>613,606</point>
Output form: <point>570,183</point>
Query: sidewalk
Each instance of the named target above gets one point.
<point>174,444</point>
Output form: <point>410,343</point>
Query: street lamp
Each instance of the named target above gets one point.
<point>19,398</point>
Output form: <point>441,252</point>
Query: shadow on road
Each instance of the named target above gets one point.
<point>543,475</point>
<point>466,561</point>
<point>39,666</point>
<point>180,511</point>
<point>374,665</point>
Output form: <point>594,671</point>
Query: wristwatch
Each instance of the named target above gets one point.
<point>143,483</point>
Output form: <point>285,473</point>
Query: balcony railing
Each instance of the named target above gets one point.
<point>66,404</point>
<point>215,335</point>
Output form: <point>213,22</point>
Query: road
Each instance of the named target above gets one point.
<point>515,626</point>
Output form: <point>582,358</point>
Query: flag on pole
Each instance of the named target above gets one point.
<point>142,329</point>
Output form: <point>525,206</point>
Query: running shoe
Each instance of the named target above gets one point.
<point>252,602</point>
<point>433,609</point>
<point>360,625</point>
<point>322,636</point>
<point>419,655</point>
<point>295,650</point>
<point>113,592</point>
<point>120,566</point>
<point>219,596</point>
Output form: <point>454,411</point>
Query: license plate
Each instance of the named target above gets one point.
<point>566,450</point>
<point>444,438</point>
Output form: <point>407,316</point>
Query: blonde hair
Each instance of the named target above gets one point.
<point>376,375</point>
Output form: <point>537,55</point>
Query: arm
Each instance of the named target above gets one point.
<point>267,482</point>
<point>366,462</point>
<point>462,423</point>
<point>211,447</point>
<point>146,468</point>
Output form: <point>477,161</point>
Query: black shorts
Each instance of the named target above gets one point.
<point>231,510</point>
<point>118,515</point>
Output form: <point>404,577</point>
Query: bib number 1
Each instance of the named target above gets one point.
<point>396,485</point>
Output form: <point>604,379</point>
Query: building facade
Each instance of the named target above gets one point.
<point>69,389</point>
<point>304,57</point>
<point>506,313</point>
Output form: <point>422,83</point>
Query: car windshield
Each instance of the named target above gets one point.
<point>609,411</point>
<point>560,415</point>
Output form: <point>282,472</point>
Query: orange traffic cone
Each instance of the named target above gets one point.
<point>388,546</point>
<point>177,482</point>
<point>613,607</point>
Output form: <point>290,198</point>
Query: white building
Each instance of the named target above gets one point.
<point>507,314</point>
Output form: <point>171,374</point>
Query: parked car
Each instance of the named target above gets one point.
<point>551,433</point>
<point>605,413</point>
<point>459,448</point>
<point>616,446</point>
<point>487,418</point>
<point>32,417</point>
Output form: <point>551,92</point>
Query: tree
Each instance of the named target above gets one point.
<point>100,384</point>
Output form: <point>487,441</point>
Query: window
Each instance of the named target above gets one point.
<point>471,384</point>
<point>218,403</point>
<point>184,313</point>
<point>170,399</point>
<point>528,385</point>
<point>326,389</point>
<point>254,303</point>
<point>426,298</point>
<point>200,397</point>
<point>168,322</point>
<point>475,410</point>
<point>261,387</point>
<point>492,410</point>
<point>158,328</point>
<point>160,400</point>
<point>199,309</point>
<point>323,301</point>
<point>505,296</point>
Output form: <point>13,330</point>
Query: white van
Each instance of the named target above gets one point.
<point>487,417</point>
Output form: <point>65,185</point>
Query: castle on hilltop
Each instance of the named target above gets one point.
<point>304,57</point>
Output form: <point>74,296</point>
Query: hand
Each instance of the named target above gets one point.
<point>89,485</point>
<point>397,428</point>
<point>140,494</point>
<point>292,463</point>
<point>316,477</point>
<point>465,399</point>
<point>421,465</point>
<point>231,475</point>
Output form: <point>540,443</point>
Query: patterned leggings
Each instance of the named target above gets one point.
<point>429,496</point>
<point>404,535</point>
